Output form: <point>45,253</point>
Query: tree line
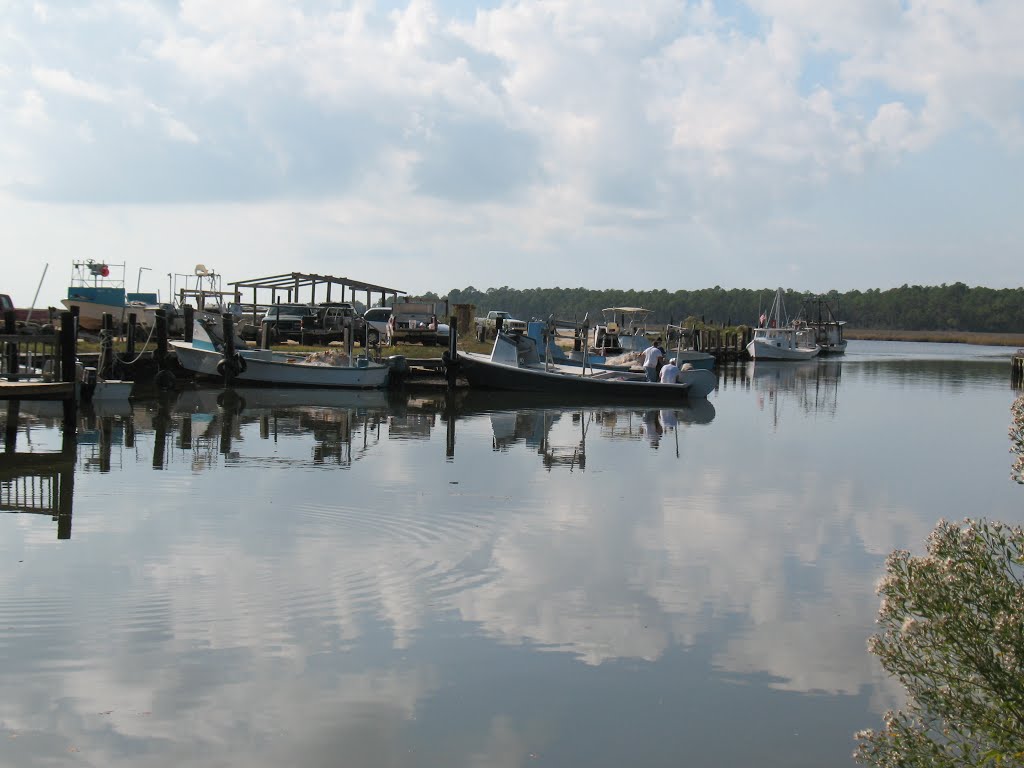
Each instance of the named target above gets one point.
<point>955,307</point>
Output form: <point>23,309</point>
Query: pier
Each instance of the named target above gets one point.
<point>40,365</point>
<point>1017,368</point>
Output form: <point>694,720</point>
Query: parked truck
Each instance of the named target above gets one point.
<point>486,327</point>
<point>311,324</point>
<point>419,321</point>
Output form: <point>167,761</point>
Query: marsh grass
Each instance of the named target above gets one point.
<point>949,337</point>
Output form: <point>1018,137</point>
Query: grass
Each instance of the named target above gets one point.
<point>951,337</point>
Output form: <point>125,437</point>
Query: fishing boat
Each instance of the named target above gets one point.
<point>628,358</point>
<point>622,330</point>
<point>97,288</point>
<point>515,364</point>
<point>778,338</point>
<point>204,355</point>
<point>828,331</point>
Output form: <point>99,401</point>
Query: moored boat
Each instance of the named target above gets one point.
<point>204,355</point>
<point>828,331</point>
<point>97,289</point>
<point>514,364</point>
<point>777,338</point>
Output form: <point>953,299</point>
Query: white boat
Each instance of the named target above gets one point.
<point>204,355</point>
<point>514,364</point>
<point>778,338</point>
<point>97,288</point>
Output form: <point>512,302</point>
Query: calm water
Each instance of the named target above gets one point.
<point>370,580</point>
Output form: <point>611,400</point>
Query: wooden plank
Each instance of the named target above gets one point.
<point>37,390</point>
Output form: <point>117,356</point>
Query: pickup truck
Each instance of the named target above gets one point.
<point>311,324</point>
<point>20,315</point>
<point>419,321</point>
<point>486,326</point>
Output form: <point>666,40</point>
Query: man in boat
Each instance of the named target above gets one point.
<point>649,359</point>
<point>669,372</point>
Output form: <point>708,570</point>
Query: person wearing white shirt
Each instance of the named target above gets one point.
<point>670,373</point>
<point>650,357</point>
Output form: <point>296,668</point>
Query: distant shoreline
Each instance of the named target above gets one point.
<point>948,337</point>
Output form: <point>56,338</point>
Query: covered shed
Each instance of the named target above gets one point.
<point>302,287</point>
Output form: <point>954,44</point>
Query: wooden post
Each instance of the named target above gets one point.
<point>228,327</point>
<point>106,346</point>
<point>68,345</point>
<point>161,337</point>
<point>10,327</point>
<point>190,317</point>
<point>452,368</point>
<point>129,351</point>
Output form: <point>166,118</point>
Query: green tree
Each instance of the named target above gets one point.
<point>953,633</point>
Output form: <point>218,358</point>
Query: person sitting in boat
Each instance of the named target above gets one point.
<point>669,372</point>
<point>650,358</point>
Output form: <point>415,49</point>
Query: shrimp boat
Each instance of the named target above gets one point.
<point>778,338</point>
<point>828,332</point>
<point>97,288</point>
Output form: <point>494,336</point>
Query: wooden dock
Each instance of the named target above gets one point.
<point>26,355</point>
<point>1017,368</point>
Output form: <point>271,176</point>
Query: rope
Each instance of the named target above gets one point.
<point>142,351</point>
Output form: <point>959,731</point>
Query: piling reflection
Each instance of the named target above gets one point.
<point>39,482</point>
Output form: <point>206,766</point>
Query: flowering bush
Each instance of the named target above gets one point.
<point>953,634</point>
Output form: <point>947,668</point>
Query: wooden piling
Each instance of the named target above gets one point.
<point>11,352</point>
<point>106,345</point>
<point>189,314</point>
<point>129,342</point>
<point>227,321</point>
<point>161,337</point>
<point>451,369</point>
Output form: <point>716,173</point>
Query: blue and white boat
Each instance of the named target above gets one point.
<point>97,288</point>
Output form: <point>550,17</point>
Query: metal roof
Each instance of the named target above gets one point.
<point>304,279</point>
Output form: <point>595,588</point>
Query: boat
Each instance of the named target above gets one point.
<point>778,338</point>
<point>204,355</point>
<point>828,331</point>
<point>623,329</point>
<point>515,364</point>
<point>628,358</point>
<point>97,288</point>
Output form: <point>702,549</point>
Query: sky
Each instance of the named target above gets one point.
<point>438,144</point>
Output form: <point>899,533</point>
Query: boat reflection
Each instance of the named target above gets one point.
<point>556,427</point>
<point>812,385</point>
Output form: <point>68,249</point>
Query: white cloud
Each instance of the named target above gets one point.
<point>530,129</point>
<point>63,82</point>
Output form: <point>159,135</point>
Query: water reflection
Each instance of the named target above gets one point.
<point>812,386</point>
<point>489,580</point>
